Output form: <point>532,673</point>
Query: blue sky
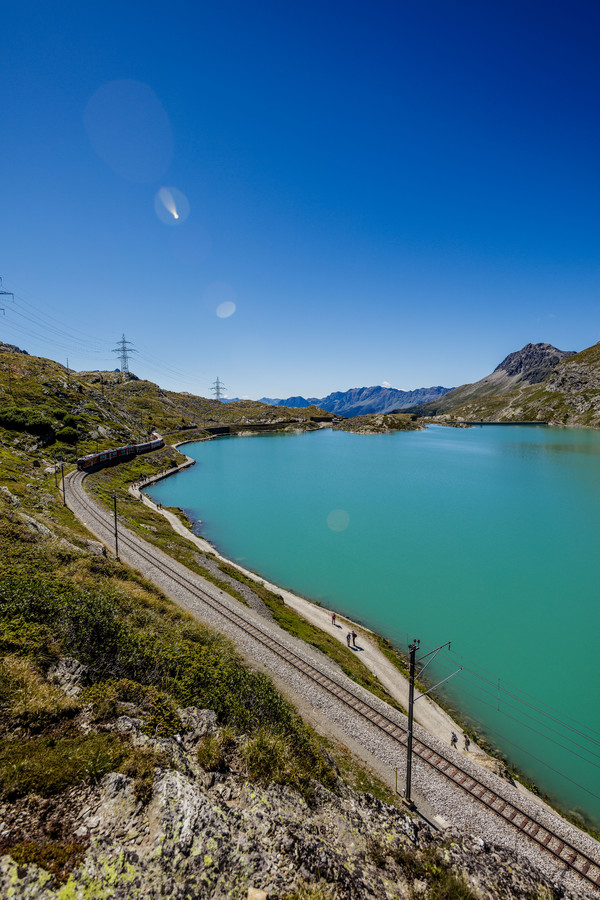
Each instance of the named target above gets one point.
<point>392,192</point>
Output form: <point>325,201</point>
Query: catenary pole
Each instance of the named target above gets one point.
<point>411,703</point>
<point>116,530</point>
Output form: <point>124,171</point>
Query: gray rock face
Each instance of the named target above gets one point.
<point>37,527</point>
<point>14,501</point>
<point>196,724</point>
<point>96,548</point>
<point>11,348</point>
<point>69,675</point>
<point>580,384</point>
<point>208,835</point>
<point>533,363</point>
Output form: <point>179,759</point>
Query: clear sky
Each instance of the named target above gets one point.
<point>387,192</point>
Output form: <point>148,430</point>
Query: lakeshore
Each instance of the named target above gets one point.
<point>470,500</point>
<point>429,714</point>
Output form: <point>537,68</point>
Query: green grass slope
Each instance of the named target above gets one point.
<point>569,396</point>
<point>43,405</point>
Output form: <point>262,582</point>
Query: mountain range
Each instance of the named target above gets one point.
<point>364,400</point>
<point>529,366</point>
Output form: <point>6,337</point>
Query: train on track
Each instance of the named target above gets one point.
<point>107,457</point>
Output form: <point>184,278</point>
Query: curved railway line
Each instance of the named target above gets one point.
<point>561,849</point>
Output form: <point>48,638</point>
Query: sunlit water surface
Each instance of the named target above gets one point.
<point>486,536</point>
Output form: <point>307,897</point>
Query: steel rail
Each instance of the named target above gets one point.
<point>560,848</point>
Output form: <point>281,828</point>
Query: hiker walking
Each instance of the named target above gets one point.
<point>333,618</point>
<point>467,742</point>
<point>354,636</point>
<point>348,638</point>
<point>453,740</point>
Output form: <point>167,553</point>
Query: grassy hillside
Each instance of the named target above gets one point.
<point>100,672</point>
<point>42,405</point>
<point>569,396</point>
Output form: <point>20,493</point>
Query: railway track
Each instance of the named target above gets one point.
<point>573,859</point>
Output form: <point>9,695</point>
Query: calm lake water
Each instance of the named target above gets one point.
<point>488,537</point>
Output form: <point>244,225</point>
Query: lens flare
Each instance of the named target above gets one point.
<point>338,520</point>
<point>130,130</point>
<point>168,201</point>
<point>224,310</point>
<point>221,297</point>
<point>171,206</point>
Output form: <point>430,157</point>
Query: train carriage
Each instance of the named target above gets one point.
<point>106,457</point>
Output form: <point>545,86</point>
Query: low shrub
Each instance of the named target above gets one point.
<point>58,859</point>
<point>138,648</point>
<point>271,755</point>
<point>48,765</point>
<point>67,435</point>
<point>25,418</point>
<point>26,696</point>
<point>156,707</point>
<point>215,751</point>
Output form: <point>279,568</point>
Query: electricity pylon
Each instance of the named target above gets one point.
<point>218,388</point>
<point>5,294</point>
<point>123,351</point>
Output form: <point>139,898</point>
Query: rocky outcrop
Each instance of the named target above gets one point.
<point>216,834</point>
<point>533,363</point>
<point>579,383</point>
<point>379,424</point>
<point>11,348</point>
<point>526,367</point>
<point>69,674</point>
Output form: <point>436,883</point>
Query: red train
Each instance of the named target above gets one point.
<point>105,457</point>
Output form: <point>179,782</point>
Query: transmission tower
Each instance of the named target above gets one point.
<point>5,294</point>
<point>218,388</point>
<point>123,350</point>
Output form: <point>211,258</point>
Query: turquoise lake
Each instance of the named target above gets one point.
<point>487,536</point>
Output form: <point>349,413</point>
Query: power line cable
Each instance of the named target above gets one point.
<point>525,725</point>
<point>542,712</point>
<point>543,763</point>
<point>538,703</point>
<point>70,330</point>
<point>494,683</point>
<point>542,724</point>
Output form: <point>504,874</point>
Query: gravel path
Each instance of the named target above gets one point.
<point>448,800</point>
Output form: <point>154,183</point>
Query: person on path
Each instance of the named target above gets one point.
<point>354,636</point>
<point>453,740</point>
<point>467,742</point>
<point>333,618</point>
<point>348,638</point>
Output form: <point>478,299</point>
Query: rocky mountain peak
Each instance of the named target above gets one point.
<point>533,363</point>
